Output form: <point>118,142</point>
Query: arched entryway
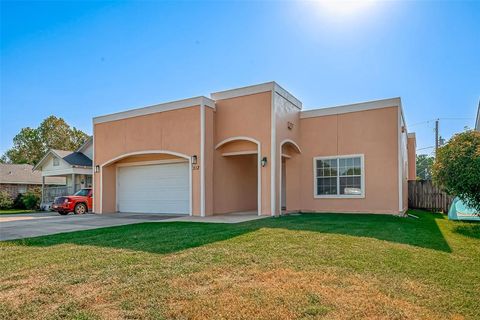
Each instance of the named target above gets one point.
<point>237,176</point>
<point>153,181</point>
<point>289,149</point>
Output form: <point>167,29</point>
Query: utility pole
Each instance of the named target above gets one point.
<point>436,137</point>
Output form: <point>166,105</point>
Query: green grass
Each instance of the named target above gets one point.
<point>308,266</point>
<point>15,211</point>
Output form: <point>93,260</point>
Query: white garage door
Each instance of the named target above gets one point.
<point>162,188</point>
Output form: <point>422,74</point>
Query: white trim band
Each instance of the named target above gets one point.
<point>168,106</point>
<point>362,106</point>
<point>254,89</point>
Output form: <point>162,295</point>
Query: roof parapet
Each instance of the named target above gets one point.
<point>355,107</point>
<point>168,106</point>
<point>254,89</point>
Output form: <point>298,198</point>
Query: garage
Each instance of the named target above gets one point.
<point>154,188</point>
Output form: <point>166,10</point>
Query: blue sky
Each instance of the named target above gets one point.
<point>77,60</point>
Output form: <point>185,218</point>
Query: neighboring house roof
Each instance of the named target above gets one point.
<point>24,174</point>
<point>85,144</point>
<point>73,158</point>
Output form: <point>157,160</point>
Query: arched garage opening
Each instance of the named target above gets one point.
<point>156,181</point>
<point>237,176</point>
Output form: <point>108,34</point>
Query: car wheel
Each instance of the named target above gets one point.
<point>63,213</point>
<point>80,208</point>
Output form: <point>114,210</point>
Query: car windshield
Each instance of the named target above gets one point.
<point>82,192</point>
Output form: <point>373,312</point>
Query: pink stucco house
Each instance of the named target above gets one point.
<point>253,149</point>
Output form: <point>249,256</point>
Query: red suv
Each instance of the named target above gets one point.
<point>79,203</point>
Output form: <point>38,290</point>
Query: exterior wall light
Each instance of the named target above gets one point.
<point>97,168</point>
<point>264,161</point>
<point>194,159</point>
<point>290,125</point>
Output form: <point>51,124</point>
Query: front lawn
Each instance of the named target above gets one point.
<point>15,211</point>
<point>298,267</point>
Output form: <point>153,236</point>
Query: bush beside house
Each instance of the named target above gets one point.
<point>457,167</point>
<point>31,199</point>
<point>6,201</point>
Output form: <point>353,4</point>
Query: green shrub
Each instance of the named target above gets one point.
<point>18,202</point>
<point>457,167</point>
<point>6,201</point>
<point>31,199</point>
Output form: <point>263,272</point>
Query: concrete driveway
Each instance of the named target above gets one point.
<point>18,226</point>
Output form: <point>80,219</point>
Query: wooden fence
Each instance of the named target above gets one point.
<point>423,194</point>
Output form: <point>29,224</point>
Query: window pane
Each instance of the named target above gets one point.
<point>350,185</point>
<point>327,168</point>
<point>326,186</point>
<point>352,166</point>
<point>319,163</point>
<point>357,162</point>
<point>350,162</point>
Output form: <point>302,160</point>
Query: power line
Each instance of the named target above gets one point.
<point>456,118</point>
<point>432,120</point>
<point>423,122</point>
<point>431,147</point>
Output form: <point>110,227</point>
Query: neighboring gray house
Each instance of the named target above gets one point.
<point>20,178</point>
<point>74,166</point>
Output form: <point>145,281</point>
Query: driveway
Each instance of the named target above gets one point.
<point>18,226</point>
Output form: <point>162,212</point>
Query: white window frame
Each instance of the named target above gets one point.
<point>56,162</point>
<point>338,195</point>
<point>22,189</point>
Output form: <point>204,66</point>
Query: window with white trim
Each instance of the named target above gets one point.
<point>339,176</point>
<point>22,189</point>
<point>56,162</point>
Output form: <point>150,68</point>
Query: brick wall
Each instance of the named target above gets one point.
<point>15,189</point>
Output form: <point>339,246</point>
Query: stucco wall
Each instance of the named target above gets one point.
<point>176,131</point>
<point>412,156</point>
<point>209,154</point>
<point>245,116</point>
<point>236,188</point>
<point>286,112</point>
<point>373,133</point>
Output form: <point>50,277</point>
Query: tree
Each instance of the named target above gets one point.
<point>457,167</point>
<point>424,166</point>
<point>31,144</point>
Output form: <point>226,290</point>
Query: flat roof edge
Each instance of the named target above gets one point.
<point>287,95</point>
<point>355,107</point>
<point>243,91</point>
<point>254,89</point>
<point>167,106</point>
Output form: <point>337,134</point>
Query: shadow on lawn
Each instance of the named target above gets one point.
<point>168,237</point>
<point>468,229</point>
